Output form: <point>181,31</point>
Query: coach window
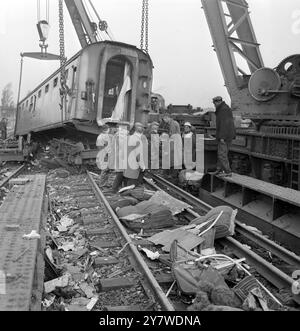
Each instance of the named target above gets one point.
<point>74,78</point>
<point>31,104</point>
<point>47,88</point>
<point>26,103</point>
<point>55,82</point>
<point>117,93</point>
<point>40,93</point>
<point>34,103</point>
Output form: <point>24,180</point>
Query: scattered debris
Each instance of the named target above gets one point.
<point>18,181</point>
<point>225,226</point>
<point>185,239</point>
<point>32,235</point>
<point>146,215</point>
<point>87,289</point>
<point>58,282</point>
<point>92,303</point>
<point>174,205</point>
<point>151,255</point>
<point>48,301</point>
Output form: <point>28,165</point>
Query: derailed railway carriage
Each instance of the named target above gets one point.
<point>108,82</point>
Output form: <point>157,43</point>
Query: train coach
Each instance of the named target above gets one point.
<point>107,82</point>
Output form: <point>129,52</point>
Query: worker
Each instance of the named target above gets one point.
<point>104,145</point>
<point>187,130</point>
<point>173,126</point>
<point>174,135</point>
<point>137,152</point>
<point>152,129</point>
<point>3,129</point>
<point>189,146</point>
<point>118,160</point>
<point>225,133</point>
<point>153,145</point>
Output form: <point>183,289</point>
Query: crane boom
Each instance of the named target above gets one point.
<point>233,35</point>
<point>85,29</point>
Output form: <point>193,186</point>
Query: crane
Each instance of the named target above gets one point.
<point>87,30</point>
<point>234,40</point>
<point>269,97</point>
<point>223,26</point>
<point>251,86</point>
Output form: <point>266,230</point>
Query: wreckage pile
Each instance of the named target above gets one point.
<point>203,278</point>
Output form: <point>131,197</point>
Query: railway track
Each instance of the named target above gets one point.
<point>267,270</point>
<point>14,174</point>
<point>4,180</point>
<point>109,263</point>
<point>106,262</point>
<point>139,263</point>
<point>115,269</point>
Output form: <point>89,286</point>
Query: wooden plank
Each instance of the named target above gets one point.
<point>87,193</point>
<point>116,283</point>
<point>87,205</point>
<point>122,308</point>
<point>164,279</point>
<point>104,244</point>
<point>87,220</point>
<point>97,232</point>
<point>100,261</point>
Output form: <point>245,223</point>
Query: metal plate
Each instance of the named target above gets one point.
<point>22,211</point>
<point>278,192</point>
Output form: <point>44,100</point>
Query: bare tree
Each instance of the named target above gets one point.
<point>7,100</point>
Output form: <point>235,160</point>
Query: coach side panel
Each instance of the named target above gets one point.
<point>40,110</point>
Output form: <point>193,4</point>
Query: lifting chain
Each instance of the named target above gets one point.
<point>63,60</point>
<point>145,26</point>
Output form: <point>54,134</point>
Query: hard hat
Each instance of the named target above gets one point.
<point>139,124</point>
<point>188,124</point>
<point>217,99</point>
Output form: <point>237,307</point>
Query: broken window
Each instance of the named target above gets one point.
<point>117,93</point>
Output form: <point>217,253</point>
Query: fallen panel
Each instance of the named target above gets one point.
<point>23,208</point>
<point>175,206</point>
<point>185,239</point>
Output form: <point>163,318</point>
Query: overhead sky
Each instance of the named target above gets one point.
<point>186,68</point>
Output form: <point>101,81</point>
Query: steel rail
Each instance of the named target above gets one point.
<point>14,174</point>
<point>155,287</point>
<point>264,268</point>
<point>269,245</point>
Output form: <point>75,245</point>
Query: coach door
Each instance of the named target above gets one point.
<point>117,92</point>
